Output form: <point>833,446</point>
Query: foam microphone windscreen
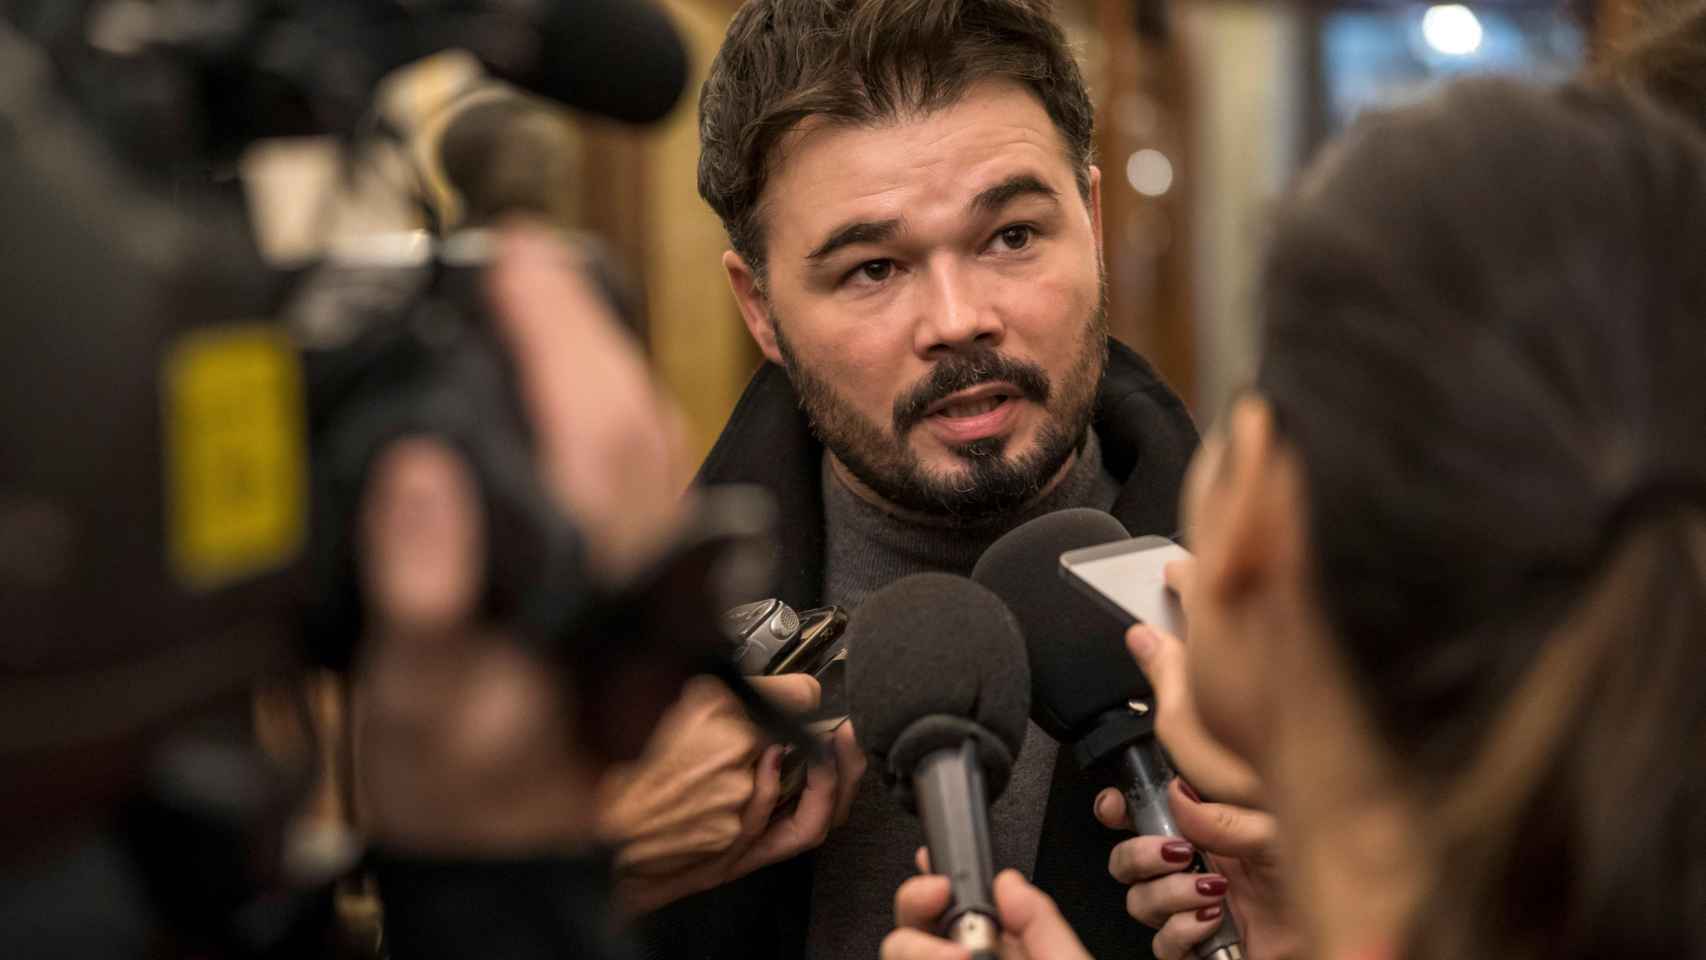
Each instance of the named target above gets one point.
<point>621,59</point>
<point>616,58</point>
<point>1079,664</point>
<point>934,644</point>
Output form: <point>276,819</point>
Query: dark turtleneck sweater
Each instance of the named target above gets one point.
<point>859,867</point>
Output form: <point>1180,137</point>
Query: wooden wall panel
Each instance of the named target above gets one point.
<point>1143,111</point>
<point>700,346</point>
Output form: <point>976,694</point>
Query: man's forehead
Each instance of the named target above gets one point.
<point>826,165</point>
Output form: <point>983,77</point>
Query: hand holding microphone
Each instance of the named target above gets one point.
<point>1031,925</point>
<point>1202,760</point>
<point>939,692</point>
<point>1191,910</point>
<point>1238,844</point>
<point>1088,694</point>
<point>1239,841</point>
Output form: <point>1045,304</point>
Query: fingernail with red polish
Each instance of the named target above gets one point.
<point>1177,851</point>
<point>1209,913</point>
<point>1212,886</point>
<point>1189,791</point>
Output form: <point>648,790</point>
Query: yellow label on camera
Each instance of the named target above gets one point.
<point>236,454</point>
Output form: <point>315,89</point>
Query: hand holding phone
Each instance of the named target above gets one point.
<point>1128,578</point>
<point>770,638</point>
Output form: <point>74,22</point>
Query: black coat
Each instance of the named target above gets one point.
<point>1146,437</point>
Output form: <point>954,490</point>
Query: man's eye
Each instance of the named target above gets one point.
<point>1016,237</point>
<point>875,271</point>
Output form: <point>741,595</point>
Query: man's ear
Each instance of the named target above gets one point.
<point>1096,209</point>
<point>1259,500</point>
<point>754,306</point>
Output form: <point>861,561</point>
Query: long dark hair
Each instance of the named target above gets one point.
<point>1666,56</point>
<point>1485,331</point>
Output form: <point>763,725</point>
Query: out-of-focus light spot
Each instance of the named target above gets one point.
<point>1452,29</point>
<point>1149,172</point>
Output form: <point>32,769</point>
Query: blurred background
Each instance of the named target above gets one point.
<point>1206,110</point>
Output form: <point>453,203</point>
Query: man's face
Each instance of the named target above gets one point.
<point>934,291</point>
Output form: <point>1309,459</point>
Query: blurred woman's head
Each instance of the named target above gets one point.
<point>1459,530</point>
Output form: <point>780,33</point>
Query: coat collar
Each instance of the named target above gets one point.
<point>1146,434</point>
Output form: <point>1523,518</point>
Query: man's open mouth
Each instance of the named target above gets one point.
<point>971,408</point>
<point>974,402</point>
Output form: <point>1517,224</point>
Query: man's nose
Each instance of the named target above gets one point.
<point>954,315</point>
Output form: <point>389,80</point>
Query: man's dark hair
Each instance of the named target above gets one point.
<point>1485,334</point>
<point>864,62</point>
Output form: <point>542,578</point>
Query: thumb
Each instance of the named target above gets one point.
<point>1224,829</point>
<point>1161,657</point>
<point>1029,915</point>
<point>1197,755</point>
<point>790,692</point>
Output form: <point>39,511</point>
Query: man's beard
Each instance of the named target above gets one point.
<point>991,483</point>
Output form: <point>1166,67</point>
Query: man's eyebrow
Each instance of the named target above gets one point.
<point>848,234</point>
<point>1008,190</point>
<point>990,200</point>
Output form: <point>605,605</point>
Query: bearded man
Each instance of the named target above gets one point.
<point>916,235</point>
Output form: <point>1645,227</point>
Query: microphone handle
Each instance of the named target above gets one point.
<point>954,807</point>
<point>1143,773</point>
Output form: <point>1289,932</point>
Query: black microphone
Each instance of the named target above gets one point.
<point>269,69</point>
<point>616,58</point>
<point>1086,689</point>
<point>939,692</point>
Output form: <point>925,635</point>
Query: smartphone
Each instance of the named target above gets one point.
<point>1128,579</point>
<point>769,638</point>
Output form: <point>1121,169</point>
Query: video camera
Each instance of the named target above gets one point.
<point>183,466</point>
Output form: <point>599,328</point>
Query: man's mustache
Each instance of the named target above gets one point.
<point>962,371</point>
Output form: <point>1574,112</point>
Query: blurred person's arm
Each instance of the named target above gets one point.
<point>465,740</point>
<point>610,443</point>
<point>696,810</point>
<point>480,803</point>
